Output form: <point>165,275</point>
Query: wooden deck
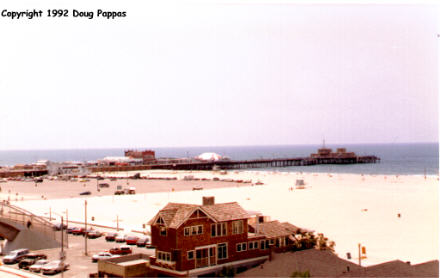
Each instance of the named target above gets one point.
<point>243,164</point>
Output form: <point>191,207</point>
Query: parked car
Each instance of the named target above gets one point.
<point>15,256</point>
<point>38,180</point>
<point>94,234</point>
<point>122,250</point>
<point>71,229</point>
<point>150,246</point>
<point>142,241</point>
<point>85,193</point>
<point>30,259</point>
<point>102,256</point>
<point>119,190</point>
<point>78,231</point>
<point>104,185</point>
<point>130,190</point>
<point>111,236</point>
<point>120,238</point>
<point>36,267</point>
<point>54,267</point>
<point>57,226</point>
<point>131,240</point>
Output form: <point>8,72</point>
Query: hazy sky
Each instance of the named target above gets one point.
<point>208,74</point>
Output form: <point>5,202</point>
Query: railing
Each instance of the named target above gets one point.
<point>30,220</point>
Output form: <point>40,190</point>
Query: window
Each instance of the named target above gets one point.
<point>218,229</point>
<point>241,247</point>
<point>237,227</point>
<point>262,245</point>
<point>222,251</point>
<point>281,241</point>
<point>190,255</point>
<point>163,231</point>
<point>253,245</point>
<point>193,230</point>
<point>164,256</point>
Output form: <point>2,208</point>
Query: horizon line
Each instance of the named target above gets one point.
<point>219,146</point>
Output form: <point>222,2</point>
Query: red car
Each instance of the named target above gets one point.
<point>131,240</point>
<point>123,250</point>
<point>78,231</point>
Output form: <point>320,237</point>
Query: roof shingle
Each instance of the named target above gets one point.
<point>175,214</point>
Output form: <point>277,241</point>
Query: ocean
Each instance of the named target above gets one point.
<point>396,159</point>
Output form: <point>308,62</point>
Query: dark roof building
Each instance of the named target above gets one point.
<point>202,239</point>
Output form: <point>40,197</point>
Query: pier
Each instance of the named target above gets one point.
<point>145,160</point>
<point>244,164</point>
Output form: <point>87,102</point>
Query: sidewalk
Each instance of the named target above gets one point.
<point>9,272</point>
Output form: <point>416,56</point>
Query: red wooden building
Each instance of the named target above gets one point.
<point>194,240</point>
<point>147,156</point>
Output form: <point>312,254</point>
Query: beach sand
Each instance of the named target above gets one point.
<point>348,208</point>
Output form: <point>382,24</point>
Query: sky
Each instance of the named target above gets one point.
<point>214,73</point>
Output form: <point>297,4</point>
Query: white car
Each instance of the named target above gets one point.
<point>54,267</point>
<point>15,256</point>
<point>36,267</point>
<point>102,255</point>
<point>120,238</point>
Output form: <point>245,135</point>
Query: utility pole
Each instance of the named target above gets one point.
<point>359,253</point>
<point>85,227</point>
<point>67,225</point>
<point>62,256</point>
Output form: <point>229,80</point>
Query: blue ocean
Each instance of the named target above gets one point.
<point>396,159</point>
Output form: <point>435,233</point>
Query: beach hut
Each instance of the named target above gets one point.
<point>300,184</point>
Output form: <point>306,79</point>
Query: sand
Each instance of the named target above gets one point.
<point>348,208</point>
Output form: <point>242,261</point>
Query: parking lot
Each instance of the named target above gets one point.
<point>80,264</point>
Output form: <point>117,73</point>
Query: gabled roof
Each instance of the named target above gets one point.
<point>273,229</point>
<point>226,211</point>
<point>175,214</point>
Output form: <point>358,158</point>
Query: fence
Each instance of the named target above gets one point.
<point>31,221</point>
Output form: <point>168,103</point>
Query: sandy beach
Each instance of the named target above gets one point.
<point>348,208</point>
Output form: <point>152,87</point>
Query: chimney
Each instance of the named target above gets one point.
<point>208,201</point>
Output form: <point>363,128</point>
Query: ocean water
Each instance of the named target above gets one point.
<point>398,159</point>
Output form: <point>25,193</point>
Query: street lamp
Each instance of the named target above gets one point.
<point>62,254</point>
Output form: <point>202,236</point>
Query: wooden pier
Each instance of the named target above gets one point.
<point>244,164</point>
<point>264,163</point>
